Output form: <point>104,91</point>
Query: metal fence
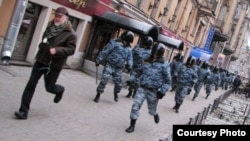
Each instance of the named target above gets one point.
<point>200,118</point>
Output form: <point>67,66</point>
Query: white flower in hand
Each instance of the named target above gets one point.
<point>45,40</point>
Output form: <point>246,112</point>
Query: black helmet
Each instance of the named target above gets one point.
<point>215,70</point>
<point>181,58</point>
<point>204,65</point>
<point>189,59</point>
<point>177,56</point>
<point>128,36</point>
<point>198,62</point>
<point>148,41</point>
<point>158,50</point>
<point>191,62</point>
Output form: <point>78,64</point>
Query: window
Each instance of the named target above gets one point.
<point>238,11</point>
<point>137,3</point>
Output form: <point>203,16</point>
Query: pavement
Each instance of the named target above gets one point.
<point>76,117</point>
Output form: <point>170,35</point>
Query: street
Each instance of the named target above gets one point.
<point>78,118</point>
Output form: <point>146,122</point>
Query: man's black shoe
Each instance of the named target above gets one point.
<point>59,96</point>
<point>21,115</point>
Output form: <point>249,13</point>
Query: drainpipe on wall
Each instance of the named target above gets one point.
<point>10,39</point>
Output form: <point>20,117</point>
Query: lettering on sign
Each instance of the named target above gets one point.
<point>78,3</point>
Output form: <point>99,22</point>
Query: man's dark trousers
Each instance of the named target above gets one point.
<point>50,84</point>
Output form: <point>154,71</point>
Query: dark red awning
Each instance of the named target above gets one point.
<point>89,7</point>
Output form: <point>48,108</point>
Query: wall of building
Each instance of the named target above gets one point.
<point>48,6</point>
<point>6,10</point>
<point>235,36</point>
<point>231,7</point>
<point>160,13</point>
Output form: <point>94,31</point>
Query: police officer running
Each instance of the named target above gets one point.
<point>155,81</point>
<point>140,53</point>
<point>185,80</point>
<point>116,53</point>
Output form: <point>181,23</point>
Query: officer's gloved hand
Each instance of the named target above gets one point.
<point>129,70</point>
<point>128,83</point>
<point>97,64</point>
<point>159,95</point>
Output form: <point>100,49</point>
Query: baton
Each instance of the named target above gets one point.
<point>96,75</point>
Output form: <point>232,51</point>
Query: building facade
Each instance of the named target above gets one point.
<point>210,30</point>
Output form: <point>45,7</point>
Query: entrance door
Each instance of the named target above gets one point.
<point>26,31</point>
<point>101,36</point>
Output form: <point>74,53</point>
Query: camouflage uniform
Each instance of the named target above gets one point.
<point>176,65</point>
<point>116,55</point>
<point>155,81</point>
<point>202,74</point>
<point>219,82</point>
<point>227,81</point>
<point>155,77</point>
<point>222,77</point>
<point>212,80</point>
<point>196,69</point>
<point>139,56</point>
<point>186,78</point>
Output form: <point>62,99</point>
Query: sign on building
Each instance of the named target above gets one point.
<point>209,38</point>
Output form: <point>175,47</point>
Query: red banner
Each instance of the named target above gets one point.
<point>89,7</point>
<point>167,33</point>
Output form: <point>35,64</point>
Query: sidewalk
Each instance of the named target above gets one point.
<point>78,118</point>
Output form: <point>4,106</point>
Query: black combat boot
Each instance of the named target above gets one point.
<point>193,98</point>
<point>189,91</point>
<point>177,108</point>
<point>206,96</point>
<point>129,94</point>
<point>131,128</point>
<point>173,89</point>
<point>133,96</point>
<point>21,115</point>
<point>116,97</point>
<point>97,97</point>
<point>157,118</point>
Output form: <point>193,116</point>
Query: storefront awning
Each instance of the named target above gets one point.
<point>171,42</point>
<point>166,32</point>
<point>130,24</point>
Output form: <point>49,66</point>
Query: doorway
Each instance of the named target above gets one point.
<point>26,31</point>
<point>101,36</point>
